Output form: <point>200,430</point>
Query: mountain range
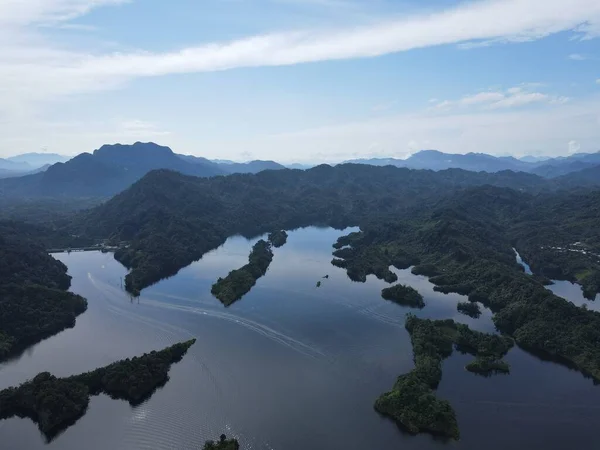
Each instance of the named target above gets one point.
<point>477,162</point>
<point>112,168</point>
<point>28,163</point>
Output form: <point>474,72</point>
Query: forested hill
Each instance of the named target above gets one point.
<point>34,303</point>
<point>103,173</point>
<point>170,219</point>
<point>464,245</point>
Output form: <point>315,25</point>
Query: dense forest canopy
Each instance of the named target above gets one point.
<point>57,403</point>
<point>465,245</point>
<point>34,303</point>
<point>170,220</point>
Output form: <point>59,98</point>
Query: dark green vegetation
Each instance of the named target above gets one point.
<point>222,444</point>
<point>34,303</point>
<point>170,220</point>
<point>239,282</point>
<point>412,402</point>
<point>561,241</point>
<point>403,295</point>
<point>487,365</point>
<point>56,403</point>
<point>470,309</point>
<point>278,238</point>
<point>469,241</point>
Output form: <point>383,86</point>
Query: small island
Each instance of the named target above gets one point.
<point>222,444</point>
<point>412,402</point>
<point>278,238</point>
<point>469,309</point>
<point>57,403</point>
<point>239,282</point>
<point>404,295</point>
<point>487,366</point>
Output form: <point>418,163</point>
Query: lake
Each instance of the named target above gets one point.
<point>288,367</point>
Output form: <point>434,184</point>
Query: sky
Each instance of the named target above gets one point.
<point>301,80</point>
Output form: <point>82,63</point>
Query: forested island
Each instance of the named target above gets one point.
<point>239,281</point>
<point>57,403</point>
<point>278,238</point>
<point>222,444</point>
<point>404,295</point>
<point>412,402</point>
<point>34,302</point>
<point>470,309</point>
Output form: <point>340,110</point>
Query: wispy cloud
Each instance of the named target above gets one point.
<point>137,127</point>
<point>509,98</point>
<point>19,12</point>
<point>62,72</point>
<point>578,57</point>
<point>547,131</point>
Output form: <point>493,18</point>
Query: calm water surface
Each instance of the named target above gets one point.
<point>290,366</point>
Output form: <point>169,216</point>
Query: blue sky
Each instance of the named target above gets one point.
<point>301,80</point>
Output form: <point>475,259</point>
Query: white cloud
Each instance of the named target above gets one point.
<point>578,57</point>
<point>510,98</point>
<point>140,128</point>
<point>482,97</point>
<point>382,107</point>
<point>574,147</point>
<point>520,99</point>
<point>25,12</point>
<point>60,72</point>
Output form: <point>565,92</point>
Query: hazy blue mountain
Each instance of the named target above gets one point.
<point>589,177</point>
<point>233,167</point>
<point>436,160</point>
<point>380,162</point>
<point>12,166</point>
<point>561,168</point>
<point>6,173</point>
<point>534,159</point>
<point>109,170</point>
<point>200,160</point>
<point>476,162</point>
<point>251,166</point>
<point>300,166</point>
<point>37,160</point>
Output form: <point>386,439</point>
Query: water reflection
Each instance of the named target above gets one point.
<point>290,366</point>
<point>574,294</point>
<point>566,289</point>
